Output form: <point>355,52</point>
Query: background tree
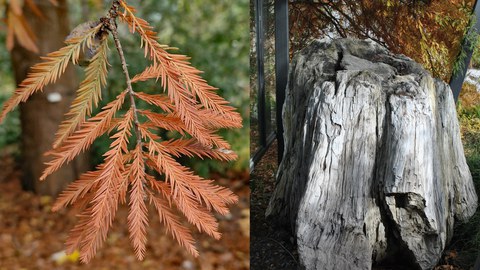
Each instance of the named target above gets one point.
<point>36,29</point>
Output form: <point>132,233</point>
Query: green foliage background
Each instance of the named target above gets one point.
<point>10,130</point>
<point>214,33</point>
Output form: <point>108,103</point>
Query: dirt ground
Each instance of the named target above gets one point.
<point>271,248</point>
<point>30,234</point>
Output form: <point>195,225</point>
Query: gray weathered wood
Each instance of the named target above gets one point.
<point>373,168</point>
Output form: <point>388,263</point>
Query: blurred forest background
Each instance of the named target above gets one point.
<point>214,33</point>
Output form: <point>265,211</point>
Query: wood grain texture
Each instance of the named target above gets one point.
<point>373,170</point>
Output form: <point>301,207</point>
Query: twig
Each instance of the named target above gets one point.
<point>111,24</point>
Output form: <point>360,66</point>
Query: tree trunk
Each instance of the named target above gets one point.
<point>373,171</point>
<point>39,116</point>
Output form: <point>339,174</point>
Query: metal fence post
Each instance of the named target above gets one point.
<point>281,66</point>
<point>456,81</point>
<point>260,35</point>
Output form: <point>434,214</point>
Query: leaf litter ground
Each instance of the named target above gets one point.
<point>30,233</point>
<point>271,248</point>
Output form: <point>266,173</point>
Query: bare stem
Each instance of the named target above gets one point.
<point>111,25</point>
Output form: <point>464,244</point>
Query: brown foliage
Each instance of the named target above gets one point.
<point>469,97</point>
<point>430,32</point>
<point>17,27</point>
<point>187,105</point>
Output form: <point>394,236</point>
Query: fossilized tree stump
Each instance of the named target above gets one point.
<point>374,169</point>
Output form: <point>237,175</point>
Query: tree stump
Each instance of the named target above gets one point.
<point>373,171</point>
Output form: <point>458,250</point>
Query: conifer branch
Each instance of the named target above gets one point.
<point>189,107</point>
<point>111,25</point>
<point>83,138</point>
<point>178,231</point>
<point>76,190</point>
<point>180,80</point>
<point>137,216</point>
<point>88,94</point>
<point>48,71</point>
